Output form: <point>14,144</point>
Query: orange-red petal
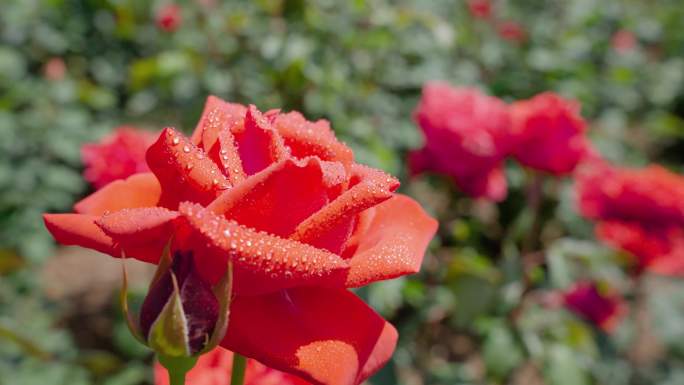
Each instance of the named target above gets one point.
<point>278,198</point>
<point>139,226</point>
<point>307,138</point>
<point>263,262</point>
<point>326,336</point>
<point>184,170</point>
<point>139,190</point>
<point>218,116</point>
<point>258,143</point>
<point>79,230</point>
<point>394,242</point>
<point>330,227</point>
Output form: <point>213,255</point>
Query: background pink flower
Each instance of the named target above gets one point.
<point>511,31</point>
<point>623,41</point>
<point>466,137</point>
<point>549,133</point>
<point>481,9</point>
<point>117,156</point>
<point>596,303</point>
<point>169,17</point>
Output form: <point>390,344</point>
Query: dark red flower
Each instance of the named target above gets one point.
<point>596,303</point>
<point>301,222</point>
<point>640,211</point>
<point>466,137</point>
<point>623,41</point>
<point>117,156</point>
<point>549,133</point>
<point>215,368</point>
<point>481,9</point>
<point>511,31</point>
<point>54,69</point>
<point>169,17</point>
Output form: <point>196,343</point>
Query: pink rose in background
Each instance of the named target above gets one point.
<point>597,304</point>
<point>117,156</point>
<point>54,69</point>
<point>640,211</point>
<point>215,368</point>
<point>549,133</point>
<point>481,9</point>
<point>466,137</point>
<point>623,41</point>
<point>169,17</point>
<point>511,31</point>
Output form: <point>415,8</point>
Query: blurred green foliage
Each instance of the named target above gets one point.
<point>361,65</point>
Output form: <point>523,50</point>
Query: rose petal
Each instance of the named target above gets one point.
<point>79,230</point>
<point>139,190</point>
<point>326,336</point>
<point>184,171</point>
<point>139,226</point>
<point>263,262</point>
<point>393,244</point>
<point>307,138</point>
<point>226,155</point>
<point>330,227</point>
<point>218,116</point>
<point>278,198</point>
<point>258,143</point>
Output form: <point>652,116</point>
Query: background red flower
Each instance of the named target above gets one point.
<point>169,17</point>
<point>480,8</point>
<point>116,156</point>
<point>466,137</point>
<point>640,211</point>
<point>549,133</point>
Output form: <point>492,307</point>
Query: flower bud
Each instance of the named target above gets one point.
<point>182,315</point>
<point>180,311</point>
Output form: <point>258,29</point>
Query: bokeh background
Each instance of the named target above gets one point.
<point>72,70</point>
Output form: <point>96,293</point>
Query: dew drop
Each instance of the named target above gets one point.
<point>186,149</point>
<point>175,141</point>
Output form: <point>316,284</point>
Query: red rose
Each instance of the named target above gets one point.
<point>215,368</point>
<point>466,137</point>
<point>117,156</point>
<point>549,133</point>
<point>596,303</point>
<point>623,41</point>
<point>283,200</point>
<point>481,9</point>
<point>511,31</point>
<point>640,211</point>
<point>169,17</point>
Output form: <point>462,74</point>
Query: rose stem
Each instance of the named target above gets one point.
<point>239,366</point>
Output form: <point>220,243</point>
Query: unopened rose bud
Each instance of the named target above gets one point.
<point>183,315</point>
<point>178,318</point>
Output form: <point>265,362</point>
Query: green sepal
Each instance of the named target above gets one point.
<point>123,299</point>
<point>168,334</point>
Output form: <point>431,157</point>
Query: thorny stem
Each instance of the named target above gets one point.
<point>238,373</point>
